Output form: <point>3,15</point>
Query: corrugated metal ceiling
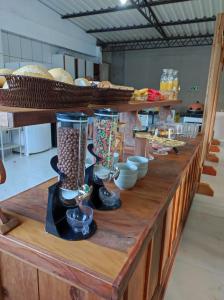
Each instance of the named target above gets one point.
<point>169,12</point>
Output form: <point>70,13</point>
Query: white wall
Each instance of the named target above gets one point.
<point>143,69</point>
<point>18,50</point>
<point>32,19</point>
<point>192,63</point>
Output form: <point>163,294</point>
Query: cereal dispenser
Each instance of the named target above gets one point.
<point>105,196</point>
<point>67,216</point>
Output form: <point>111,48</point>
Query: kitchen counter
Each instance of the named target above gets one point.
<point>129,257</point>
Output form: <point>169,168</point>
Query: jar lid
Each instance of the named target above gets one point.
<point>72,117</point>
<point>106,112</point>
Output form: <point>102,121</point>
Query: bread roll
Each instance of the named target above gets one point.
<point>122,87</point>
<point>34,71</point>
<point>104,84</point>
<point>61,75</point>
<point>82,82</point>
<point>109,85</point>
<point>2,78</point>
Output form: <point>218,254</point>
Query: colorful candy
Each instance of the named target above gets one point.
<point>104,137</point>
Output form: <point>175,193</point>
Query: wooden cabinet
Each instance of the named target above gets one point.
<point>52,288</point>
<point>130,256</point>
<point>19,281</point>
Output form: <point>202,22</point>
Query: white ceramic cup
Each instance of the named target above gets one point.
<point>127,177</point>
<point>141,163</point>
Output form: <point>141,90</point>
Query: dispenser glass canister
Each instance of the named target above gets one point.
<point>104,136</point>
<point>72,142</point>
<point>106,195</point>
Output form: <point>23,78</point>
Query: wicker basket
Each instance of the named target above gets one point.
<point>32,92</point>
<point>25,91</point>
<point>110,95</point>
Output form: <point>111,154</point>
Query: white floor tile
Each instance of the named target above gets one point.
<point>189,282</point>
<point>26,172</point>
<point>203,242</point>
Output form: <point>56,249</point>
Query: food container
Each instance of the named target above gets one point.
<point>80,218</point>
<point>138,129</point>
<point>72,142</point>
<point>104,136</point>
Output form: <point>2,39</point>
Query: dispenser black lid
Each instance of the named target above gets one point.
<point>71,116</point>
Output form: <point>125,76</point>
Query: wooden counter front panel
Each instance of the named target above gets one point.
<point>151,275</point>
<point>154,271</point>
<point>19,281</point>
<point>52,288</point>
<point>136,285</point>
<point>146,278</point>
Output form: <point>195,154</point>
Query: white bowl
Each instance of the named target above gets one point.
<point>125,182</point>
<point>127,169</point>
<point>141,162</point>
<point>127,177</point>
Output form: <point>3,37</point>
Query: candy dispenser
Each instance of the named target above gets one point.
<point>104,135</point>
<point>104,195</point>
<point>67,217</point>
<point>72,142</point>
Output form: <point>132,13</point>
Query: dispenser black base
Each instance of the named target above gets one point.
<point>96,201</point>
<point>90,179</point>
<point>56,221</point>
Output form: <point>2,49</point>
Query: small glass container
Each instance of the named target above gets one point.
<point>72,143</point>
<point>104,136</point>
<point>109,196</point>
<point>80,218</point>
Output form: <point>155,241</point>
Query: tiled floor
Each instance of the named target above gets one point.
<point>198,272</point>
<point>25,172</point>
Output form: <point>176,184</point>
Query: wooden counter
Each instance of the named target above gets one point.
<point>129,257</point>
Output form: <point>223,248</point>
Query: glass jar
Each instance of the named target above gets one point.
<point>104,135</point>
<point>175,86</point>
<point>163,80</point>
<point>72,143</point>
<point>169,80</point>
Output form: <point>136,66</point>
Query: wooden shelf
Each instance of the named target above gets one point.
<point>17,117</point>
<point>138,105</point>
